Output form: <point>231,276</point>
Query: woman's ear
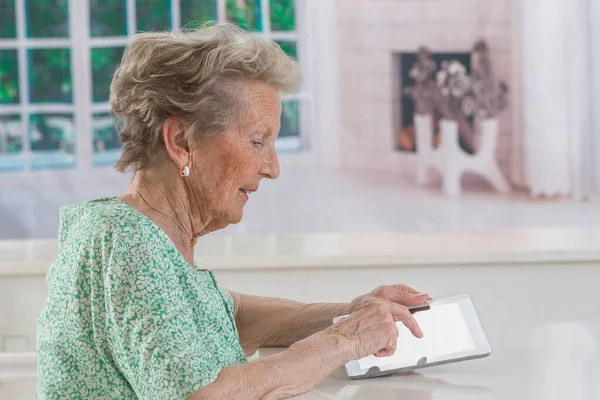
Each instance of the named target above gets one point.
<point>175,142</point>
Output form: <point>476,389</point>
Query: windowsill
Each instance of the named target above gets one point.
<point>315,251</point>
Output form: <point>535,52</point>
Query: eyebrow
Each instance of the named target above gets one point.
<point>265,130</point>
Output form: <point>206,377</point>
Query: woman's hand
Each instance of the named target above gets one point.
<point>399,294</point>
<point>371,328</point>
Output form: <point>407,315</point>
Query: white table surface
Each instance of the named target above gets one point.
<point>551,361</point>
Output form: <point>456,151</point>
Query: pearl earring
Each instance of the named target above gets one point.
<point>185,171</point>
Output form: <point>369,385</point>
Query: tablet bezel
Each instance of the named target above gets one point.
<point>482,346</point>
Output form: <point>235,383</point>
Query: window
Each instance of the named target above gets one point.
<point>57,58</point>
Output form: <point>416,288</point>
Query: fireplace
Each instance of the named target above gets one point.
<point>404,129</point>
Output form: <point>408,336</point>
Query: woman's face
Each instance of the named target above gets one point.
<point>228,169</point>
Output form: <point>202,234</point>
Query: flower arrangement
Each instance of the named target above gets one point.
<point>424,93</point>
<point>488,96</point>
<point>454,84</point>
<point>452,92</point>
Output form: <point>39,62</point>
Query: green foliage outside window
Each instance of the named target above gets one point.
<point>9,77</point>
<point>47,18</point>
<point>8,26</point>
<point>105,134</point>
<point>50,76</point>
<point>194,12</point>
<point>105,61</point>
<point>108,18</point>
<point>289,48</point>
<point>153,15</point>
<point>245,13</point>
<point>44,135</point>
<point>289,119</point>
<point>10,143</point>
<point>283,15</point>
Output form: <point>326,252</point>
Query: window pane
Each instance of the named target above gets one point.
<point>47,18</point>
<point>289,134</point>
<point>8,26</point>
<point>289,119</point>
<point>9,77</point>
<point>283,15</point>
<point>104,63</point>
<point>194,12</point>
<point>11,145</point>
<point>50,76</point>
<point>245,13</point>
<point>108,18</point>
<point>153,15</point>
<point>52,138</point>
<point>107,148</point>
<point>289,48</point>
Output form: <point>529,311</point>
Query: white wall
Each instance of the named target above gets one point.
<point>594,46</point>
<point>29,201</point>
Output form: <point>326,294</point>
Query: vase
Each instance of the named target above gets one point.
<point>489,135</point>
<point>448,133</point>
<point>451,161</point>
<point>424,144</point>
<point>451,158</point>
<point>487,155</point>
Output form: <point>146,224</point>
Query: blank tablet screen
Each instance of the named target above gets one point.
<point>445,332</point>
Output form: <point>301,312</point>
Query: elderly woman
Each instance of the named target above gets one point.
<point>129,313</point>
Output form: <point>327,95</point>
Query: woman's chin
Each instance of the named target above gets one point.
<point>237,220</point>
<point>236,216</point>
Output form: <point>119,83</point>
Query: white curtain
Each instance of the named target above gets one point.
<point>319,40</point>
<point>594,46</point>
<point>559,142</point>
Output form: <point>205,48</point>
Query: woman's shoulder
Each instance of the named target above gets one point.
<point>104,219</point>
<point>101,212</point>
<point>108,230</point>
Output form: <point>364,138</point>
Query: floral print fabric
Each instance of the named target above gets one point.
<point>126,316</point>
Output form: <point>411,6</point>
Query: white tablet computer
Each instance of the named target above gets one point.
<point>451,333</point>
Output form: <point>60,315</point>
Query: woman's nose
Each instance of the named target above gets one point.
<point>270,167</point>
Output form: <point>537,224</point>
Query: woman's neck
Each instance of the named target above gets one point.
<point>165,202</point>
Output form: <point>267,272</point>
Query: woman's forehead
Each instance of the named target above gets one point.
<point>262,103</point>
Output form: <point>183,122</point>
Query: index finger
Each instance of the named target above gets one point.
<point>401,313</point>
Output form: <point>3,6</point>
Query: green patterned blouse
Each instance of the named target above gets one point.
<point>126,316</point>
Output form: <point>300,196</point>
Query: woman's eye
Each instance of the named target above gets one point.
<point>257,143</point>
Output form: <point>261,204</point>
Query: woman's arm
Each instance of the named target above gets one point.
<point>370,330</point>
<point>275,322</point>
<point>291,372</point>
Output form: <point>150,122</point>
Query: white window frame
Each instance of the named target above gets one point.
<point>82,107</point>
